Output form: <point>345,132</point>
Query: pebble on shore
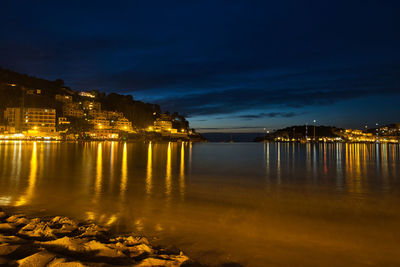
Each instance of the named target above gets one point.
<point>60,241</point>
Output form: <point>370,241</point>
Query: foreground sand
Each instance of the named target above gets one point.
<point>60,241</point>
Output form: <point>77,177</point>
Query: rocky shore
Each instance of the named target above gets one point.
<point>60,241</point>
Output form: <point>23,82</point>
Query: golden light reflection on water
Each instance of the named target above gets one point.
<point>339,171</point>
<point>99,172</point>
<point>111,220</point>
<point>149,170</point>
<point>325,162</point>
<point>266,157</point>
<point>308,185</point>
<point>112,163</point>
<point>17,158</point>
<point>4,155</point>
<point>278,167</point>
<point>315,161</point>
<point>182,172</point>
<point>385,167</point>
<point>308,159</point>
<point>124,170</point>
<point>168,172</point>
<point>30,191</point>
<point>190,157</point>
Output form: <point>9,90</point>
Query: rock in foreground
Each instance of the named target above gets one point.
<point>60,241</point>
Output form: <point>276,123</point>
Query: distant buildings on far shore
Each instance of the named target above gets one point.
<point>385,134</point>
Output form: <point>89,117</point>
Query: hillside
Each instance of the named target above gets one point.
<point>12,85</point>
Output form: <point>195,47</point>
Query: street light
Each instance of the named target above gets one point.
<point>315,121</point>
<point>306,131</point>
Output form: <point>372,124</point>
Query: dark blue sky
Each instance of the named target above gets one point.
<point>227,65</point>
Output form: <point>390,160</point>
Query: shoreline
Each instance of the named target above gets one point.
<point>61,241</point>
<point>103,140</point>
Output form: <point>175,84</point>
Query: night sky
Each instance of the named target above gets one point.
<point>227,65</point>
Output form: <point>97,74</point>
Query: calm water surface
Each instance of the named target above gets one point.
<point>256,204</point>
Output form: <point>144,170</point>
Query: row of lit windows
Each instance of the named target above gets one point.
<point>40,113</point>
<point>42,125</point>
<point>27,121</point>
<point>40,117</point>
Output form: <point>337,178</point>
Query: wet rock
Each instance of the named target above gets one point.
<point>31,225</point>
<point>131,241</point>
<point>2,215</point>
<point>6,227</point>
<point>14,218</point>
<point>174,260</point>
<point>158,262</point>
<point>102,250</point>
<point>18,220</point>
<point>7,249</point>
<point>65,229</point>
<point>22,221</point>
<point>63,225</point>
<point>89,242</point>
<point>37,230</point>
<point>62,220</point>
<point>181,258</point>
<point>119,246</point>
<point>38,259</point>
<point>92,230</point>
<point>139,250</point>
<point>61,262</point>
<point>67,243</point>
<point>11,239</point>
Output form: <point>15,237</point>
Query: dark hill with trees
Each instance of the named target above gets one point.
<point>300,132</point>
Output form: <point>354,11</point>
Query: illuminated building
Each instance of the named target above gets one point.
<point>96,113</point>
<point>14,118</point>
<point>33,92</point>
<point>113,115</point>
<point>100,122</point>
<point>358,136</point>
<point>87,94</point>
<point>63,120</point>
<point>162,125</point>
<point>110,115</point>
<point>73,110</point>
<point>103,134</point>
<point>91,105</point>
<point>123,124</point>
<point>38,119</point>
<point>64,98</point>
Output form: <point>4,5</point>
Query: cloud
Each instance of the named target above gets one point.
<point>267,115</point>
<point>230,128</point>
<point>241,99</point>
<point>261,56</point>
